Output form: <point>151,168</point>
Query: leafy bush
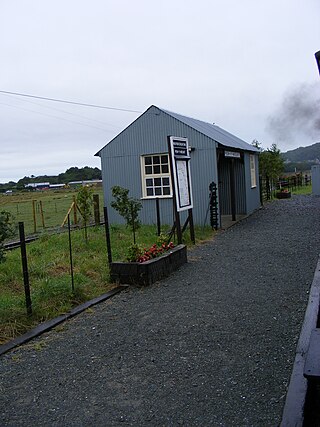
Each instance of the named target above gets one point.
<point>134,252</point>
<point>127,207</point>
<point>6,231</point>
<point>84,203</point>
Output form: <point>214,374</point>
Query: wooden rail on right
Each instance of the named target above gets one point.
<point>293,412</point>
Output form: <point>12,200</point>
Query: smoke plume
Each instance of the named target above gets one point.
<point>298,115</point>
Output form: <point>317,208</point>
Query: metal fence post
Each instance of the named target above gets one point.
<point>107,230</point>
<point>158,216</point>
<point>70,253</point>
<point>25,268</point>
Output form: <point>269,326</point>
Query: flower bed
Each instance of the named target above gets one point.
<point>148,272</point>
<point>285,194</point>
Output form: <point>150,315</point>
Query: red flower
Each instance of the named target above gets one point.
<point>154,251</point>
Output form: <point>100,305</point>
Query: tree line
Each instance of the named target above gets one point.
<point>72,174</point>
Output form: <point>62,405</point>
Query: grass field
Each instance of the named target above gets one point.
<point>49,261</point>
<point>49,273</point>
<point>306,189</point>
<point>53,205</point>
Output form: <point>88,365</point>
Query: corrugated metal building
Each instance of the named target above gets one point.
<point>137,159</point>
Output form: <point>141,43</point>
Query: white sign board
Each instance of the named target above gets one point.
<point>180,160</point>
<point>232,154</point>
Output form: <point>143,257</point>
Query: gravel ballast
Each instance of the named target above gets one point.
<point>212,345</point>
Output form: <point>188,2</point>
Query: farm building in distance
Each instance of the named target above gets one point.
<point>38,185</point>
<point>137,159</point>
<point>48,186</point>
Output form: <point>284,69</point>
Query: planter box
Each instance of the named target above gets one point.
<point>146,273</point>
<point>283,195</point>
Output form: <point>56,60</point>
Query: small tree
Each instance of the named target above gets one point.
<point>6,231</point>
<point>84,203</point>
<point>270,163</point>
<point>127,207</point>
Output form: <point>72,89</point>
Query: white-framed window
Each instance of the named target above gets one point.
<point>253,170</point>
<point>155,174</point>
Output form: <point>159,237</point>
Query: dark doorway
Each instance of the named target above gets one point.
<point>232,192</point>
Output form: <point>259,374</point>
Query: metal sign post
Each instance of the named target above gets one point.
<point>181,181</point>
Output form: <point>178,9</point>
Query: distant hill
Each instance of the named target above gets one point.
<point>311,153</point>
<point>72,174</point>
<point>301,159</point>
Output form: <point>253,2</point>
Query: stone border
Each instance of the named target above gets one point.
<point>46,326</point>
<point>148,272</point>
<point>293,412</point>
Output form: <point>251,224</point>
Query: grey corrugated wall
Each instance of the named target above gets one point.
<point>120,161</point>
<point>252,194</point>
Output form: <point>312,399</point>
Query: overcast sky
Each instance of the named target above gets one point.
<point>246,65</point>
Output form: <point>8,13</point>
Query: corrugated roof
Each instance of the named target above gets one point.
<point>213,131</point>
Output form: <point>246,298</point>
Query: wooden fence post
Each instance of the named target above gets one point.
<point>34,216</point>
<point>75,219</point>
<point>42,216</point>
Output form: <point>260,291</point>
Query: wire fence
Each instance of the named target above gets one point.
<point>44,211</point>
<point>270,189</point>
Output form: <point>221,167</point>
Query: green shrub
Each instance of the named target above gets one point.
<point>6,231</point>
<point>127,207</point>
<point>84,203</point>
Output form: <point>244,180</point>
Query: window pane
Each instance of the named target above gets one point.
<point>148,170</point>
<point>164,159</point>
<point>156,160</point>
<point>165,168</point>
<point>156,180</point>
<point>147,161</point>
<point>165,181</point>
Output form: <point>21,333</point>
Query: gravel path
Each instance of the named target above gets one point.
<point>213,345</point>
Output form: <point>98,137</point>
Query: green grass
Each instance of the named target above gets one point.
<point>307,189</point>
<point>49,273</point>
<point>54,206</point>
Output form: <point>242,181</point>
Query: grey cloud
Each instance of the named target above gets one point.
<point>298,115</point>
